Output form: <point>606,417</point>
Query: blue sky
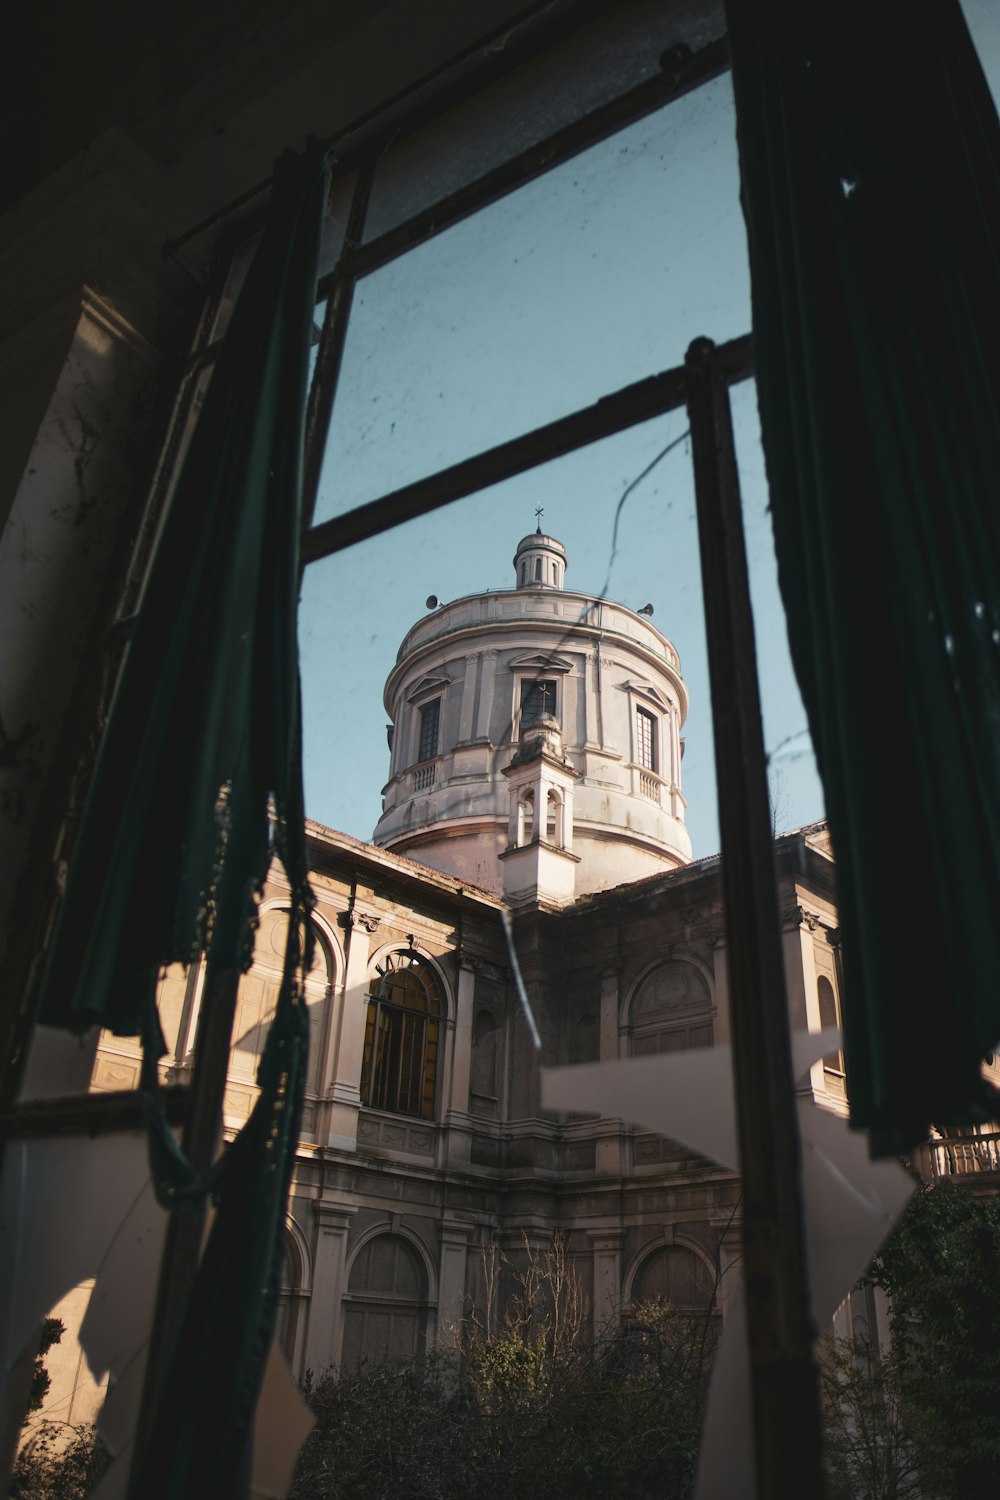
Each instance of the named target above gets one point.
<point>598,274</point>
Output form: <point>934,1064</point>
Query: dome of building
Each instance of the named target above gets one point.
<point>535,739</point>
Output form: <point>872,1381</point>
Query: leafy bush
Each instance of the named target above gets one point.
<point>869,1450</point>
<point>524,1406</point>
<point>58,1463</point>
<point>55,1461</point>
<point>939,1269</point>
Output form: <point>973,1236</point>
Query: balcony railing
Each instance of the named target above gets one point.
<point>423,777</point>
<point>649,786</point>
<point>959,1156</point>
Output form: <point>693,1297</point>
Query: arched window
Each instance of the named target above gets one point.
<point>399,1068</point>
<point>291,1301</point>
<point>385,1309</point>
<point>829,1015</point>
<point>671,1011</point>
<point>525,818</point>
<point>678,1276</point>
<point>554,819</point>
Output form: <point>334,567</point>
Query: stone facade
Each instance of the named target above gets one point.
<point>391,1208</point>
<point>520,715</point>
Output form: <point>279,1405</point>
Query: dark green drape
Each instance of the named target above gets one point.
<point>870,163</point>
<point>177,838</point>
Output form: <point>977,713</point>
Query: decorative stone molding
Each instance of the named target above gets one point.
<point>481,967</point>
<point>395,1133</point>
<point>352,917</point>
<point>798,916</point>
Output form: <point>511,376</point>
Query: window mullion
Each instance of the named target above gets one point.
<point>627,407</point>
<point>779,1320</point>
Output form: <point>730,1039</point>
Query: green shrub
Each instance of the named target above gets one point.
<point>524,1405</point>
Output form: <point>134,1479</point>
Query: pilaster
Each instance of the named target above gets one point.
<point>607,1251</point>
<point>590,699</point>
<point>468,697</point>
<point>452,1306</point>
<point>607,1145</point>
<point>324,1335</point>
<point>457,1104</point>
<point>487,674</point>
<point>344,1101</point>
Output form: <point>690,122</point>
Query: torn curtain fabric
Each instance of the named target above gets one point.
<point>205,724</point>
<point>870,165</point>
<point>197,783</point>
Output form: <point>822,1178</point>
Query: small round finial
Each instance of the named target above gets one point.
<point>540,560</point>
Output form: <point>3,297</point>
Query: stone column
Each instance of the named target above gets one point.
<point>345,1088</point>
<point>607,1249</point>
<point>468,698</point>
<point>324,1333</point>
<point>452,1305</point>
<point>487,683</point>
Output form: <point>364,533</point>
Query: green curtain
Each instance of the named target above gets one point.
<point>197,784</point>
<point>870,164</point>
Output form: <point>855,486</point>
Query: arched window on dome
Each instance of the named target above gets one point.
<point>402,1033</point>
<point>525,818</point>
<point>554,831</point>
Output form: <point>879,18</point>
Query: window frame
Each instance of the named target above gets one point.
<point>378,1090</point>
<point>647,737</point>
<point>424,709</point>
<point>834,1072</point>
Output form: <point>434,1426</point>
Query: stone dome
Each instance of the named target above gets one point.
<point>472,676</point>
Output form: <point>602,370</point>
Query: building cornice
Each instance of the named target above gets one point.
<point>484,632</point>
